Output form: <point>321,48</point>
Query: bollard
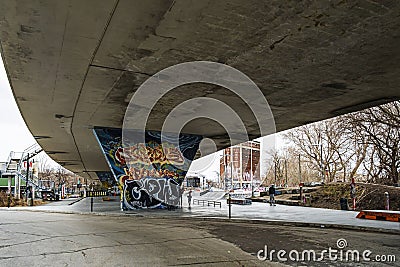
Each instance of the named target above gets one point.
<point>353,192</point>
<point>301,193</point>
<point>229,205</point>
<point>91,204</point>
<point>387,206</point>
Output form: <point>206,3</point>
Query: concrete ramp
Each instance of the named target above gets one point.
<point>214,195</point>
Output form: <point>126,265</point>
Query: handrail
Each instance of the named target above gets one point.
<point>30,181</point>
<point>32,150</point>
<point>11,157</point>
<point>208,202</point>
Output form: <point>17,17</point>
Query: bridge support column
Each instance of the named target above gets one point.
<point>150,167</point>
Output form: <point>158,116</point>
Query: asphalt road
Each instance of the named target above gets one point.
<point>254,237</point>
<point>53,239</point>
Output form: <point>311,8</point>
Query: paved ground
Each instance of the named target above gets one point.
<point>256,211</point>
<point>53,239</point>
<point>252,238</point>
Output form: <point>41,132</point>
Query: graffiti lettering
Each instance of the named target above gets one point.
<point>145,154</point>
<point>149,174</point>
<point>135,197</point>
<point>163,189</point>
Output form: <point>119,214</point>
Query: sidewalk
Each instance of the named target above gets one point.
<point>256,212</point>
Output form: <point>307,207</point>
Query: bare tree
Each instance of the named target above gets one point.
<point>332,147</point>
<point>368,140</point>
<point>272,167</point>
<point>288,167</point>
<point>381,127</point>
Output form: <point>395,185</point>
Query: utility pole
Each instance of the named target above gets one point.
<point>251,171</point>
<point>299,169</point>
<point>286,177</point>
<point>26,178</point>
<point>275,171</point>
<point>225,174</point>
<point>322,164</point>
<point>231,172</point>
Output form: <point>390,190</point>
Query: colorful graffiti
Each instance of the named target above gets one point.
<point>106,178</point>
<point>150,174</point>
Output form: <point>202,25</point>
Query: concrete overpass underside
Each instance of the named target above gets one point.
<point>74,65</point>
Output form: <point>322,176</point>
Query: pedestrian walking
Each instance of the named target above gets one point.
<point>189,197</point>
<point>271,192</point>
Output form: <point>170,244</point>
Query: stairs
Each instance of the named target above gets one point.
<point>13,162</point>
<point>15,166</point>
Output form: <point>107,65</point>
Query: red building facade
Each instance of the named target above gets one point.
<point>239,166</point>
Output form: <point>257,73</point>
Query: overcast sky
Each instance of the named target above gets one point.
<point>14,135</point>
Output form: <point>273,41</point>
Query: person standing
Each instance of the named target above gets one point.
<point>189,197</point>
<point>271,192</point>
<point>353,192</point>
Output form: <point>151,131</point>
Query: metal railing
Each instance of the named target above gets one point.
<point>13,159</point>
<point>97,193</point>
<point>208,203</point>
<point>239,201</point>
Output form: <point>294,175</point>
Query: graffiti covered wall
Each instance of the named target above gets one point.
<point>149,173</point>
<point>106,178</point>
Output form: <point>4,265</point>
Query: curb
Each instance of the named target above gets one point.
<point>76,212</point>
<point>225,220</point>
<point>76,201</point>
